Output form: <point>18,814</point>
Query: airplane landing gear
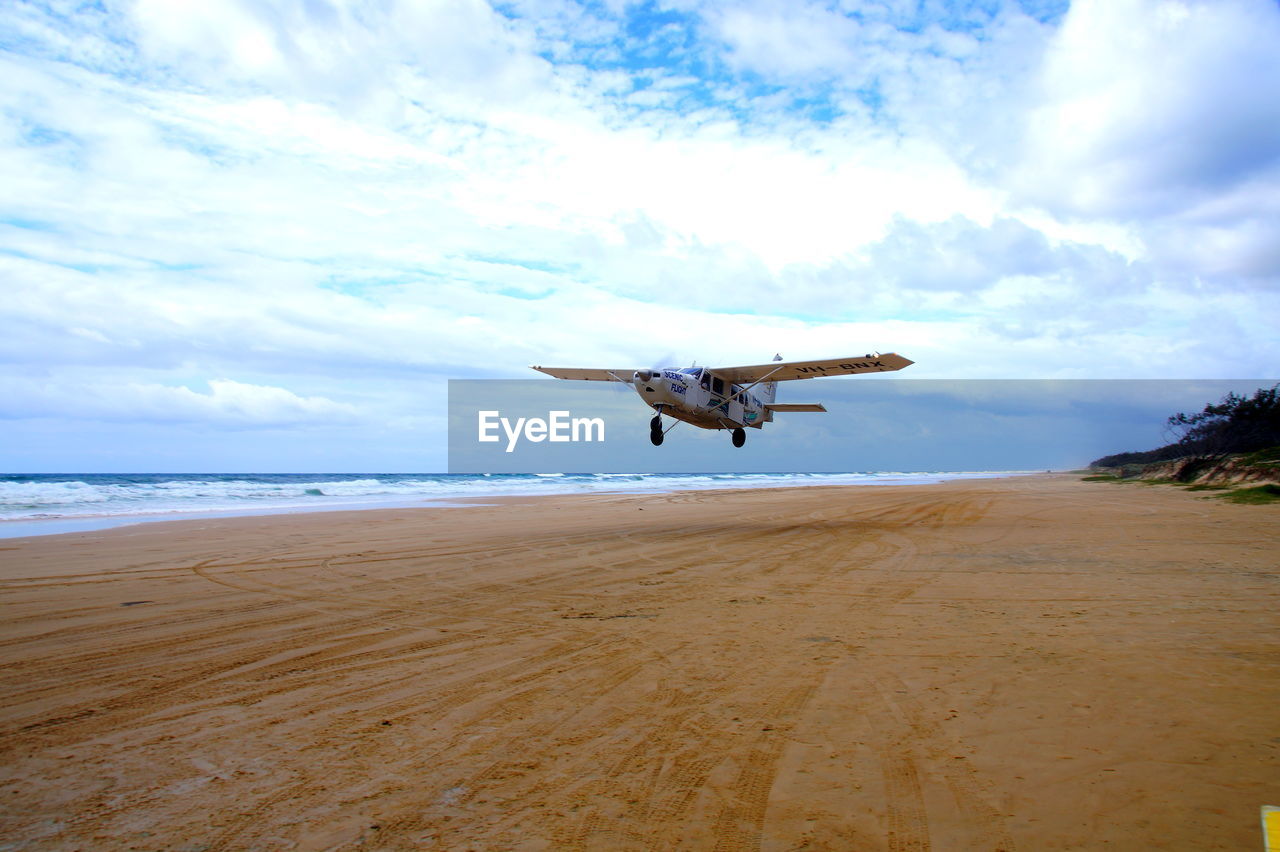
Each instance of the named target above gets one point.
<point>739,437</point>
<point>655,430</point>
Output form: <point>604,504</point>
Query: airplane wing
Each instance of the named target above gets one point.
<point>589,374</point>
<point>784,407</point>
<point>781,371</point>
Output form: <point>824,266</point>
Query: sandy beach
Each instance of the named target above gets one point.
<point>1028,663</point>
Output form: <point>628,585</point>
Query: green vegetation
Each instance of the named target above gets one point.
<point>1269,493</point>
<point>1269,457</point>
<point>1256,495</point>
<point>1130,480</point>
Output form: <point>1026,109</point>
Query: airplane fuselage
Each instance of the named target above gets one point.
<point>697,396</point>
<point>729,398</point>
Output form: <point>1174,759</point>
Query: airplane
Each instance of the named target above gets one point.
<point>729,398</point>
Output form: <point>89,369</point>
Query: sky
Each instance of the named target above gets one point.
<point>252,236</point>
<point>938,425</point>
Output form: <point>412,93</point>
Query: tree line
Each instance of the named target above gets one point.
<point>1234,424</point>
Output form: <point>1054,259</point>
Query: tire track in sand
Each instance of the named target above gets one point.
<point>961,778</point>
<point>741,819</point>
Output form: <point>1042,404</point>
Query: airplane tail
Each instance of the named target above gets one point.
<point>769,390</point>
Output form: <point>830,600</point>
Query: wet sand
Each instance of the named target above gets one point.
<point>1032,663</point>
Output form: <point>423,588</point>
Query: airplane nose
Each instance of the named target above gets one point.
<point>643,376</point>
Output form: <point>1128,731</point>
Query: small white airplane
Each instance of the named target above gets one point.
<point>726,397</point>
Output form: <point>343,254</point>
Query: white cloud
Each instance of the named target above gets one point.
<point>346,201</point>
<point>786,39</point>
<point>338,52</point>
<point>1155,106</point>
<point>227,403</point>
<point>1164,115</point>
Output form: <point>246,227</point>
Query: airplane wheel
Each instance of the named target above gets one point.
<point>739,437</point>
<point>656,438</point>
<point>655,425</point>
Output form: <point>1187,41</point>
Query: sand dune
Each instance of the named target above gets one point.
<point>1031,663</point>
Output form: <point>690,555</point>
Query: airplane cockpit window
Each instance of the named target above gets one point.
<point>717,386</point>
<point>706,382</point>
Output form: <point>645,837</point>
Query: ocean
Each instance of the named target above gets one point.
<point>32,504</point>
